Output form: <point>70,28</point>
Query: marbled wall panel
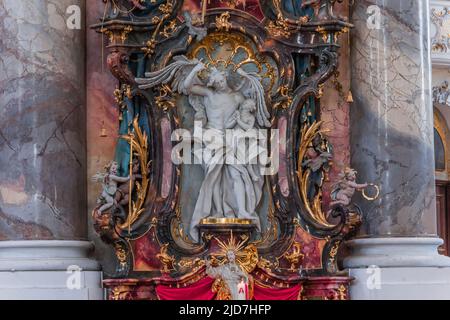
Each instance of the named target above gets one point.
<point>102,112</point>
<point>42,122</point>
<point>335,109</point>
<point>392,117</point>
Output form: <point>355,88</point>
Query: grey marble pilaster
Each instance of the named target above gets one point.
<point>392,116</point>
<point>42,122</point>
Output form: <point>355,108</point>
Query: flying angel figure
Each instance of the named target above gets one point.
<point>228,190</point>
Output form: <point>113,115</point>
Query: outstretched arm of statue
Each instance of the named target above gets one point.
<point>119,179</point>
<point>356,185</point>
<point>98,177</point>
<point>190,83</point>
<point>210,270</point>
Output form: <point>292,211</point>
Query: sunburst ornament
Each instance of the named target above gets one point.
<point>246,256</point>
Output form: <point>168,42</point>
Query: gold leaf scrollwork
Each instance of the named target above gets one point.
<point>314,207</point>
<point>234,3</point>
<point>138,141</point>
<point>324,33</point>
<point>164,100</point>
<point>342,292</point>
<point>334,251</point>
<point>166,9</point>
<point>279,27</point>
<point>249,258</point>
<point>223,22</point>
<point>286,98</point>
<point>120,293</point>
<point>169,29</point>
<point>121,255</point>
<point>167,261</point>
<point>265,264</point>
<point>192,264</point>
<point>239,52</point>
<point>246,256</point>
<point>293,256</point>
<point>221,288</point>
<point>117,34</point>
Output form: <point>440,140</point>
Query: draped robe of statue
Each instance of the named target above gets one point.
<point>217,196</point>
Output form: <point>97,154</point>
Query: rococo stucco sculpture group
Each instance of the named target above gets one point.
<point>240,73</point>
<point>227,190</point>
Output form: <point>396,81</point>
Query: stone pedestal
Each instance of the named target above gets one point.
<point>405,283</point>
<point>392,146</point>
<point>49,270</point>
<point>42,151</point>
<point>225,228</point>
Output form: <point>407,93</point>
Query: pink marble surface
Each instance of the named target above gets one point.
<point>101,112</point>
<point>335,111</point>
<point>166,133</point>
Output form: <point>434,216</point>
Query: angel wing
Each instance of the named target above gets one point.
<point>175,74</point>
<point>252,88</point>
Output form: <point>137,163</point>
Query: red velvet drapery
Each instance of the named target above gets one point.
<point>201,290</point>
<point>261,293</point>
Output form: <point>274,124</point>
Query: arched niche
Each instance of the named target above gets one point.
<point>441,146</point>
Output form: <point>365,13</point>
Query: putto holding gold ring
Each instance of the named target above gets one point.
<point>345,188</point>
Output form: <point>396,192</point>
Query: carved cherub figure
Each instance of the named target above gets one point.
<point>191,20</point>
<point>245,119</point>
<point>109,181</point>
<point>316,158</point>
<point>123,190</point>
<point>345,188</point>
<point>317,161</point>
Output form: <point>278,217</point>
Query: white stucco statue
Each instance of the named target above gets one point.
<point>228,190</point>
<point>109,181</point>
<point>232,275</point>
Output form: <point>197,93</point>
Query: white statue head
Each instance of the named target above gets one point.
<point>248,105</point>
<point>231,256</point>
<point>112,167</point>
<point>350,174</point>
<point>218,80</point>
